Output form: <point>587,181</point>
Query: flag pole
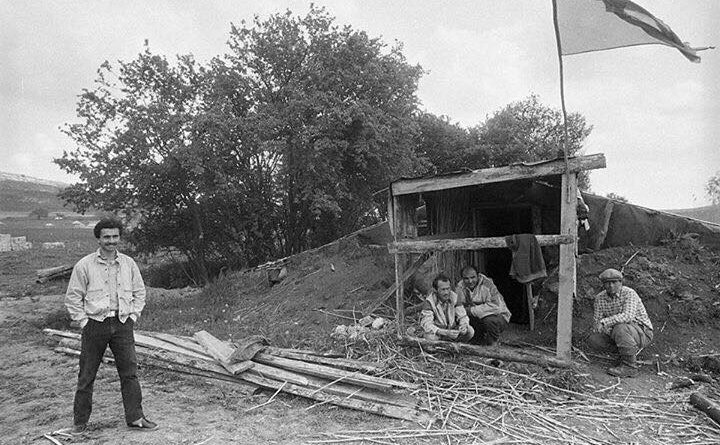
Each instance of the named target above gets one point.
<point>562,86</point>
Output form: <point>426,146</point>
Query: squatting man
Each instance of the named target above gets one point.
<point>443,316</point>
<point>475,312</point>
<point>621,324</point>
<point>105,297</point>
<point>485,306</point>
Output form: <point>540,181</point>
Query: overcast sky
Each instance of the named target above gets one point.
<point>656,116</point>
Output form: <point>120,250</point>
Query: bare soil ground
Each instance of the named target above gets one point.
<point>679,283</point>
<point>37,387</point>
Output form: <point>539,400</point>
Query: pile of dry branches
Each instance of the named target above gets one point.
<point>492,402</point>
<point>452,398</point>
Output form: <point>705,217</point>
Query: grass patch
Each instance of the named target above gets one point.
<point>233,307</point>
<point>168,275</point>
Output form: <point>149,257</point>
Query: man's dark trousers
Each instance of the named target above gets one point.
<point>96,336</point>
<point>487,329</point>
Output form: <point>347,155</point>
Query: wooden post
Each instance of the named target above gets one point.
<point>399,294</point>
<point>404,226</point>
<point>531,305</point>
<point>567,270</point>
<point>399,259</point>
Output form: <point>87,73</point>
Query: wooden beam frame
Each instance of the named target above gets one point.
<point>405,239</point>
<point>420,246</point>
<point>499,174</point>
<point>567,267</point>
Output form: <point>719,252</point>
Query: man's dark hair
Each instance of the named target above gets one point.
<point>107,223</point>
<point>468,269</point>
<point>440,277</point>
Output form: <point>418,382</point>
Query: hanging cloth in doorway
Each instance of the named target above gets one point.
<point>527,261</point>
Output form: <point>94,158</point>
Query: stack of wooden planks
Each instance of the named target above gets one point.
<point>53,273</point>
<point>339,381</point>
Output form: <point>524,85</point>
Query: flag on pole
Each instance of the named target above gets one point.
<point>596,25</point>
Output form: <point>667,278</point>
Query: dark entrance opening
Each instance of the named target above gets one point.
<point>495,263</point>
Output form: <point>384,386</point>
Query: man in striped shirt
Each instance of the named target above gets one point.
<point>621,324</point>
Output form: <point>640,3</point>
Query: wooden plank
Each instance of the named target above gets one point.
<point>406,276</point>
<point>295,354</point>
<point>178,340</point>
<point>399,294</point>
<point>607,214</point>
<point>151,342</point>
<point>490,352</point>
<point>221,351</point>
<point>567,266</point>
<point>418,246</point>
<point>406,216</point>
<point>217,348</point>
<point>530,303</point>
<point>327,372</point>
<point>391,215</point>
<point>342,389</point>
<point>310,357</point>
<point>207,364</point>
<point>141,339</point>
<point>75,350</point>
<point>54,270</point>
<point>392,405</point>
<point>186,366</point>
<point>499,174</point>
<point>413,414</point>
<point>399,286</point>
<point>335,387</point>
<point>44,275</point>
<point>706,406</point>
<point>65,334</point>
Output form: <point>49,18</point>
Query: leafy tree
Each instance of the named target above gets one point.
<point>712,187</point>
<point>521,131</point>
<point>153,145</point>
<point>526,131</point>
<point>336,110</point>
<point>270,149</point>
<point>446,146</point>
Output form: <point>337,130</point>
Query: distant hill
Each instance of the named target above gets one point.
<point>707,213</point>
<point>21,193</point>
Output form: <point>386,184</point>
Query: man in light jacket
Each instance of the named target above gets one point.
<point>105,297</point>
<point>443,318</point>
<point>485,305</point>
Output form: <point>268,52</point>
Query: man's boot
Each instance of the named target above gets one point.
<point>628,367</point>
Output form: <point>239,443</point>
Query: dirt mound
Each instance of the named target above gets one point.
<point>679,283</point>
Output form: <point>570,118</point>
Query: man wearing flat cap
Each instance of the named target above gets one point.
<point>621,324</point>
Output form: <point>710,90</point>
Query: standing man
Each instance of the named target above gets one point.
<point>489,315</point>
<point>443,318</point>
<point>105,297</point>
<point>622,325</point>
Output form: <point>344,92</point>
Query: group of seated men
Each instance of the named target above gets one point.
<point>476,313</point>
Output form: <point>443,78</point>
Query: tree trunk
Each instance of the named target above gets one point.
<point>200,248</point>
